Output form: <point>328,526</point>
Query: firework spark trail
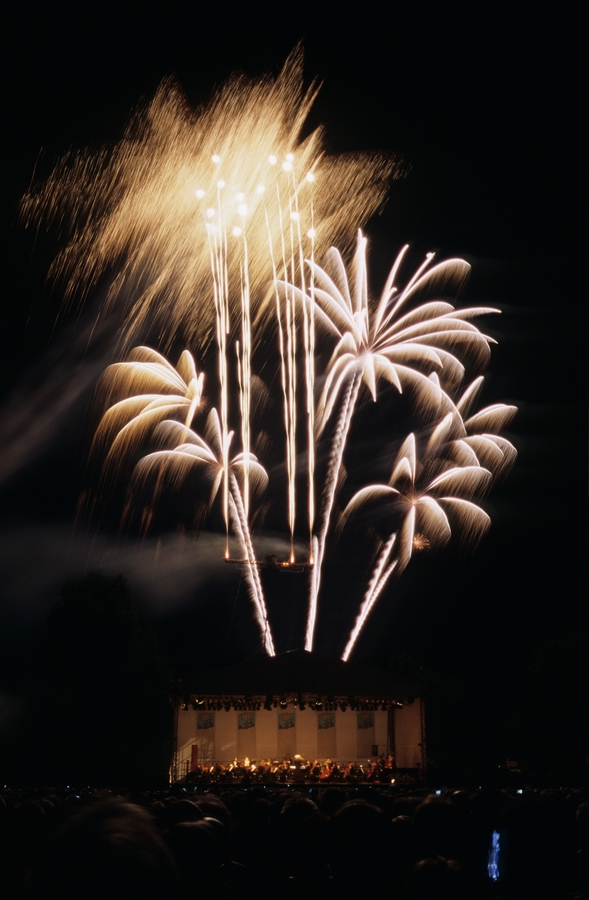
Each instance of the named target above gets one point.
<point>291,372</point>
<point>219,271</point>
<point>287,333</point>
<point>283,369</point>
<point>295,244</point>
<point>247,379</point>
<point>375,587</point>
<point>310,378</point>
<point>333,469</point>
<point>252,574</point>
<point>309,352</point>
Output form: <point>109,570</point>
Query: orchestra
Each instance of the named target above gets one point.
<point>295,769</point>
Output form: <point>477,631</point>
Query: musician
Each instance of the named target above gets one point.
<point>387,774</point>
<point>326,770</point>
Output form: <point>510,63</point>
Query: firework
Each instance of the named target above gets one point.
<point>212,221</point>
<point>194,211</point>
<point>149,205</point>
<point>189,451</point>
<point>152,390</point>
<point>423,493</point>
<point>383,342</point>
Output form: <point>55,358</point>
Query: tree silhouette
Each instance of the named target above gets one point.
<point>102,708</point>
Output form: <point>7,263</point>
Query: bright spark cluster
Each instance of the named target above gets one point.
<point>179,178</point>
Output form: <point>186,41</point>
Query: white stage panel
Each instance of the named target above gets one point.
<point>307,734</point>
<point>346,727</point>
<point>266,734</point>
<point>225,736</point>
<point>381,731</point>
<point>408,736</point>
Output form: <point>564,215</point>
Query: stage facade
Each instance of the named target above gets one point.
<point>296,705</point>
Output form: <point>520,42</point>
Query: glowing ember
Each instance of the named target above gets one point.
<point>420,542</point>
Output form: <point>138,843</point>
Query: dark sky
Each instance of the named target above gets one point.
<point>482,100</point>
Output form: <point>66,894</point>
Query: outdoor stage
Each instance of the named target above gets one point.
<point>265,711</point>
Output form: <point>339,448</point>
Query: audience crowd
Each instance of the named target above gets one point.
<point>244,841</point>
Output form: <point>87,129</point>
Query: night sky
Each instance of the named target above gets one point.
<point>482,103</point>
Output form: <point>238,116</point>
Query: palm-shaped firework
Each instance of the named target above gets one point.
<point>152,390</point>
<point>424,495</point>
<point>383,341</point>
<point>189,451</point>
<point>482,430</point>
<point>162,392</point>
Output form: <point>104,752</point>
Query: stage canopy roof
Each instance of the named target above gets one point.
<point>300,672</point>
